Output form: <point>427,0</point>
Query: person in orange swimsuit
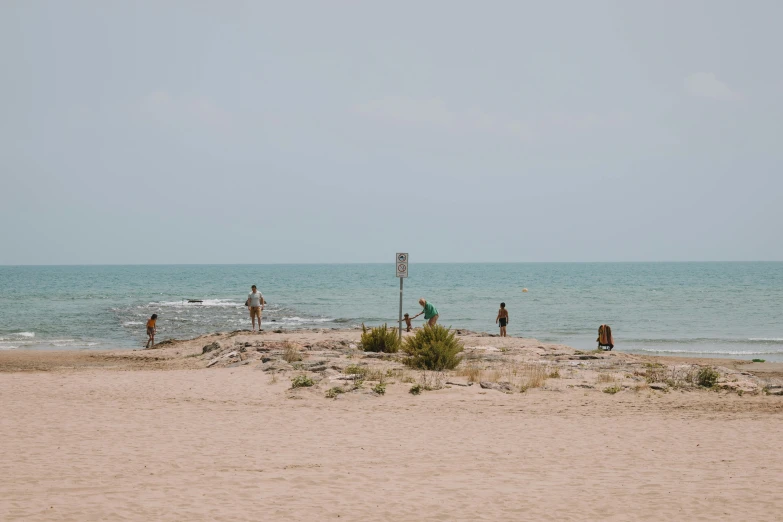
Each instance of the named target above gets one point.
<point>151,329</point>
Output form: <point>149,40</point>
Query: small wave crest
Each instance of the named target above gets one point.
<point>223,303</point>
<point>29,342</point>
<point>23,334</point>
<point>706,340</point>
<point>304,320</point>
<point>710,352</point>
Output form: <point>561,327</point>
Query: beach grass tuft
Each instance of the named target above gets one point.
<point>301,381</point>
<point>471,371</point>
<point>433,348</point>
<point>333,392</point>
<point>707,377</point>
<point>291,353</point>
<point>359,371</point>
<point>415,389</point>
<point>612,389</point>
<point>532,375</point>
<point>380,339</point>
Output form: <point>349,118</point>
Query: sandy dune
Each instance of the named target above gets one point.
<point>114,441</point>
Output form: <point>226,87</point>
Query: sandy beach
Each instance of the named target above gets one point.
<point>210,429</point>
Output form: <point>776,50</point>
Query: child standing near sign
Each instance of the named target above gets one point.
<point>407,319</point>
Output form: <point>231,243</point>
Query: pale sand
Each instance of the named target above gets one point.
<point>98,437</point>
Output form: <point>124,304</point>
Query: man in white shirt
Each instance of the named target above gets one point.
<point>255,302</point>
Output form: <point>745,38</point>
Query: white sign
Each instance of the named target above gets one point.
<point>402,264</point>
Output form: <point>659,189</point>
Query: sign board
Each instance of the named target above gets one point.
<point>402,264</point>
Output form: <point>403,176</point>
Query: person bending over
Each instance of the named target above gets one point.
<point>430,312</point>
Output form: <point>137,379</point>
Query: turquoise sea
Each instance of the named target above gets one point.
<point>700,309</point>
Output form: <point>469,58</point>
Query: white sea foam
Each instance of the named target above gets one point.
<point>300,320</point>
<point>205,303</point>
<point>711,352</point>
<point>132,323</point>
<point>71,342</point>
<point>24,334</point>
<point>766,339</point>
<point>8,347</point>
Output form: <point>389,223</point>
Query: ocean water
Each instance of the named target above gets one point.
<point>699,309</point>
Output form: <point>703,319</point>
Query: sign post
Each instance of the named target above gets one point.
<point>402,272</point>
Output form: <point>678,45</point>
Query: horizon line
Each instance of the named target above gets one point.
<point>387,263</point>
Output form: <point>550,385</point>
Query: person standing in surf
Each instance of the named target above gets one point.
<point>502,319</point>
<point>152,328</point>
<point>255,303</point>
<point>430,312</point>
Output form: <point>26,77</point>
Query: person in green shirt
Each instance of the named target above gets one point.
<point>430,312</point>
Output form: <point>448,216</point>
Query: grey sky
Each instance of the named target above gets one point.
<point>245,132</point>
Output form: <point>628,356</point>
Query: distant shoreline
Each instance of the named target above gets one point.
<point>392,263</point>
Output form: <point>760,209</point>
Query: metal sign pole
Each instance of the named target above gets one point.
<point>401,261</point>
<point>399,331</point>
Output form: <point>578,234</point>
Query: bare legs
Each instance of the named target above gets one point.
<point>255,311</point>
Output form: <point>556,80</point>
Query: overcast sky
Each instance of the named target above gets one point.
<point>273,132</point>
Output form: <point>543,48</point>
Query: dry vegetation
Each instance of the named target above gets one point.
<point>291,353</point>
<point>333,359</point>
<point>520,375</point>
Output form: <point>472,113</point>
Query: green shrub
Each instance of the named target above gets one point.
<point>707,377</point>
<point>380,339</point>
<point>612,389</point>
<point>355,370</point>
<point>758,360</point>
<point>433,348</point>
<point>380,388</point>
<point>415,389</point>
<point>301,381</point>
<point>332,393</point>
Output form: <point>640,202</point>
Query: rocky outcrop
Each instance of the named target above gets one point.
<point>210,347</point>
<point>277,365</point>
<point>774,389</point>
<point>504,387</point>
